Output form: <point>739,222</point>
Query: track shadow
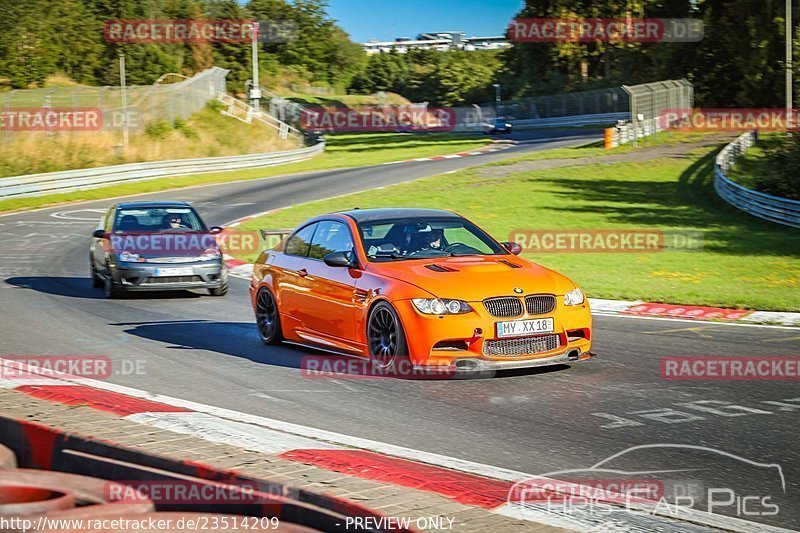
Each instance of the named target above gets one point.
<point>237,339</point>
<point>240,339</point>
<point>77,287</point>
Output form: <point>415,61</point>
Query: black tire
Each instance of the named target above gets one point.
<point>111,289</point>
<point>386,340</point>
<point>97,281</point>
<point>222,290</point>
<point>268,317</point>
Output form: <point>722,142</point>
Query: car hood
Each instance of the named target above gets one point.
<point>475,278</point>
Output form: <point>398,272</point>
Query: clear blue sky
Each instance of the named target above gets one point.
<point>386,19</point>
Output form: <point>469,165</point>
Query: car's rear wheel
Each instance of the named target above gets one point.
<point>385,337</point>
<point>268,317</point>
<point>97,281</point>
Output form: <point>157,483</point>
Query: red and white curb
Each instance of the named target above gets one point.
<point>495,147</point>
<point>238,268</point>
<point>466,482</point>
<point>692,312</point>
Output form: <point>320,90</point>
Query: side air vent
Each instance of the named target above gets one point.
<point>509,263</point>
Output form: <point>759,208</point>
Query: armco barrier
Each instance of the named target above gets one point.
<point>72,180</point>
<point>575,120</point>
<point>766,206</point>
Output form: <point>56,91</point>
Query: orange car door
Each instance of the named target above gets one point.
<point>292,281</point>
<point>331,300</point>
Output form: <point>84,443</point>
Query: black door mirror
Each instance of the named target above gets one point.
<point>99,234</point>
<point>512,247</point>
<point>339,259</point>
<point>215,230</point>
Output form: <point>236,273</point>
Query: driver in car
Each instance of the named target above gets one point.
<point>175,221</point>
<point>428,240</point>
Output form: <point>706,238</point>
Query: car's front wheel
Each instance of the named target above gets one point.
<point>111,289</point>
<point>385,337</point>
<point>222,290</point>
<point>268,318</point>
<point>97,281</point>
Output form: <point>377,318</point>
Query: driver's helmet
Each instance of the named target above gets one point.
<point>425,239</point>
<point>172,218</point>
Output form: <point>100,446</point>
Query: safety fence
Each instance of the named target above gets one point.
<point>72,180</point>
<point>131,108</point>
<point>759,204</point>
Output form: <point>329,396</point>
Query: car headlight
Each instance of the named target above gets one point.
<point>437,306</point>
<point>574,297</point>
<point>208,255</point>
<point>129,257</point>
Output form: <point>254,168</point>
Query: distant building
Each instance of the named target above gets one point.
<point>439,40</point>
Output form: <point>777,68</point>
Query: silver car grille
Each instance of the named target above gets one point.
<point>521,346</point>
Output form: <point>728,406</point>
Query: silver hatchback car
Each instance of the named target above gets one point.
<point>156,246</point>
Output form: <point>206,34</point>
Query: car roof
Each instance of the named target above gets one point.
<point>150,204</point>
<point>388,213</point>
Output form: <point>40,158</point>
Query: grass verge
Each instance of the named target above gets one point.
<point>745,262</point>
<point>342,151</point>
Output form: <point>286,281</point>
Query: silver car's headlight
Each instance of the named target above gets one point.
<point>437,306</point>
<point>574,297</point>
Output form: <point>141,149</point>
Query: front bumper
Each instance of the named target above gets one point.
<point>469,341</point>
<point>142,276</point>
<point>467,365</point>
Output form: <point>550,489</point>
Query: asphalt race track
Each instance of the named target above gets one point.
<point>207,350</point>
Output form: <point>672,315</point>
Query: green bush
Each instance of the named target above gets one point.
<point>782,176</point>
<point>215,105</point>
<point>158,129</point>
<point>180,125</point>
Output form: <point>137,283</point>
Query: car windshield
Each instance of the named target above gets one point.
<point>157,220</point>
<point>420,238</point>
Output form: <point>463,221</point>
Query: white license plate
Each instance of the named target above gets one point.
<point>520,328</point>
<point>161,272</point>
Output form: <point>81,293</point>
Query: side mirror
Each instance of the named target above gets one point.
<point>512,247</point>
<point>339,259</point>
<point>99,234</point>
<point>215,230</point>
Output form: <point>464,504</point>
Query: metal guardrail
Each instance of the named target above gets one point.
<point>766,206</point>
<point>73,180</point>
<point>576,120</point>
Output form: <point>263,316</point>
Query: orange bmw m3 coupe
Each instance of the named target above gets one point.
<point>418,286</point>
